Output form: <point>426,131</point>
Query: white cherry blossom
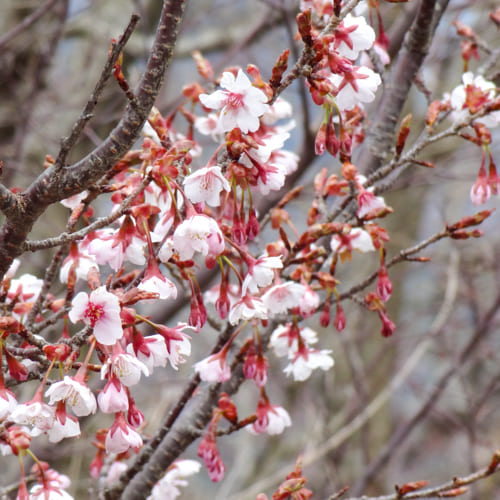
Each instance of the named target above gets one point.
<point>241,104</point>
<point>206,184</point>
<point>77,395</point>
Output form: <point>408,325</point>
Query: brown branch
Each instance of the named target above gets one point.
<point>56,184</point>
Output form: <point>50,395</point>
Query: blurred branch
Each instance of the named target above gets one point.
<point>56,184</point>
<point>27,22</point>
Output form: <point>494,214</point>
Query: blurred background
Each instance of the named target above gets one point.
<point>421,405</point>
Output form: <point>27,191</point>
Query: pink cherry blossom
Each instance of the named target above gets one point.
<point>77,395</point>
<point>241,103</point>
<point>214,368</point>
<point>279,298</point>
<point>260,273</point>
<point>368,202</point>
<point>272,419</point>
<point>167,488</point>
<point>285,339</point>
<point>64,425</point>
<point>101,311</point>
<point>157,283</point>
<point>108,247</point>
<point>150,350</point>
<point>198,233</point>
<point>113,398</point>
<point>206,185</point>
<point>83,262</point>
<point>122,436</point>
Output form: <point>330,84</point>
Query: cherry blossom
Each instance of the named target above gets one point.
<point>357,239</point>
<point>122,436</point>
<point>210,125</point>
<point>241,103</point>
<point>285,339</point>
<point>151,351</point>
<point>260,273</point>
<point>279,298</point>
<point>77,395</point>
<point>7,401</point>
<point>357,86</point>
<point>214,368</point>
<point>167,487</point>
<point>306,360</point>
<point>101,311</point>
<point>198,233</point>
<point>480,92</point>
<point>126,367</point>
<point>248,307</point>
<point>35,413</point>
<point>82,261</point>
<point>113,398</point>
<point>206,185</point>
<point>110,247</point>
<point>73,201</point>
<point>155,282</point>
<point>63,426</point>
<point>352,36</point>
<point>272,419</point>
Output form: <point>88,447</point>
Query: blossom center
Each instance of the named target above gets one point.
<point>234,100</point>
<point>94,313</point>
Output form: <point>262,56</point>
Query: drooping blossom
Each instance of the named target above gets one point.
<point>51,485</point>
<point>248,307</point>
<point>35,413</point>
<point>206,185</point>
<point>279,298</point>
<point>126,367</point>
<point>112,247</point>
<point>82,261</point>
<point>214,368</point>
<point>241,104</point>
<point>198,233</point>
<point>150,350</point>
<point>78,396</point>
<point>101,311</point>
<point>260,273</point>
<point>63,426</point>
<point>167,488</point>
<point>122,436</point>
<point>113,398</point>
<point>272,419</point>
<point>306,360</point>
<point>285,339</point>
<point>154,281</point>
